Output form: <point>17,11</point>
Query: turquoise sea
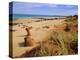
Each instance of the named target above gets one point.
<point>16,16</point>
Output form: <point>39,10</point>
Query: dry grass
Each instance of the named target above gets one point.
<point>60,42</point>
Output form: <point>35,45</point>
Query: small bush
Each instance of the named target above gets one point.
<point>67,28</point>
<point>71,18</point>
<point>46,27</point>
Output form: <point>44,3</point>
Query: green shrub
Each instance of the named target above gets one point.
<point>71,18</point>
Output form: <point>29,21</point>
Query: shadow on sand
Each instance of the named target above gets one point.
<point>22,44</point>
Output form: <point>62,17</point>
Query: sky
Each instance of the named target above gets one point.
<point>44,9</point>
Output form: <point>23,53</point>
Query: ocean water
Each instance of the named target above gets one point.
<point>17,16</point>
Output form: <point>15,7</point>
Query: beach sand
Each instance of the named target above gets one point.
<point>38,32</point>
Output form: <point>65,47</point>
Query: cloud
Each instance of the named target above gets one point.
<point>32,5</point>
<point>52,6</point>
<point>69,6</point>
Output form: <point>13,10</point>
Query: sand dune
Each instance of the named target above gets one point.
<point>39,33</point>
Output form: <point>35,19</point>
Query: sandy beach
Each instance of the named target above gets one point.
<point>41,29</point>
<point>38,32</point>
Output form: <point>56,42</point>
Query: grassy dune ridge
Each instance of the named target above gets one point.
<point>59,43</point>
